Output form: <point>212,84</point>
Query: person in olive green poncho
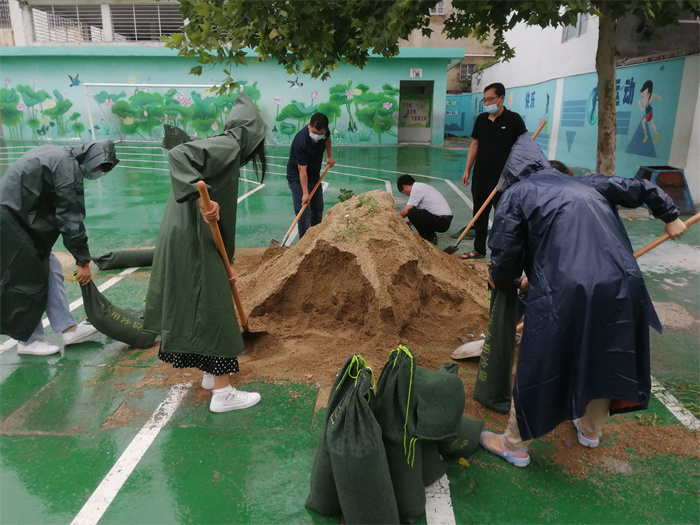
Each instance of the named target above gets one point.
<point>189,300</point>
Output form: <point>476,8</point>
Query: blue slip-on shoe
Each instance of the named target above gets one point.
<point>508,456</point>
<point>590,443</point>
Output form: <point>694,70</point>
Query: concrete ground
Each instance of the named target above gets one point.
<point>65,456</point>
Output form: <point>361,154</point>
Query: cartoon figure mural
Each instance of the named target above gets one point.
<point>645,105</point>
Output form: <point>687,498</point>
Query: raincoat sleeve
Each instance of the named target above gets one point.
<point>70,210</point>
<point>507,241</point>
<point>187,165</point>
<point>632,193</point>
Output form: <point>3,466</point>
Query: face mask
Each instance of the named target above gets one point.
<point>93,175</point>
<point>316,137</point>
<point>493,108</point>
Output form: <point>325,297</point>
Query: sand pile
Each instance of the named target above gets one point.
<point>360,282</point>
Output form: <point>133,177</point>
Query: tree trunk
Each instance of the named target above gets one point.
<point>605,60</point>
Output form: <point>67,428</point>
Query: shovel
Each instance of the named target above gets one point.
<point>452,249</point>
<point>303,209</point>
<point>247,334</point>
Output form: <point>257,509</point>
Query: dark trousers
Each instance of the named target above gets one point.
<point>427,224</point>
<point>480,192</point>
<point>314,211</point>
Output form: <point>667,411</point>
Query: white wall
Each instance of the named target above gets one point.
<point>541,56</point>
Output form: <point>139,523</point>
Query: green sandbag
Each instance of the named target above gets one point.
<point>434,467</point>
<point>441,402</point>
<point>118,323</point>
<point>396,413</point>
<point>125,259</point>
<point>467,439</point>
<point>323,496</point>
<point>493,387</point>
<point>359,462</point>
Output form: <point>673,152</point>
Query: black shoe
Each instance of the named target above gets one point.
<point>433,239</point>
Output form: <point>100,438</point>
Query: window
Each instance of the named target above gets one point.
<point>67,23</point>
<point>139,22</point>
<point>84,23</point>
<point>438,9</point>
<point>571,32</point>
<point>5,15</point>
<point>466,71</point>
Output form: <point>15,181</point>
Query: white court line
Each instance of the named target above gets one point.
<point>242,197</point>
<point>112,483</point>
<point>75,304</point>
<point>438,503</point>
<point>682,414</point>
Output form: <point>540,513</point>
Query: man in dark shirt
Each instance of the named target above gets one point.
<point>304,169</point>
<point>494,134</point>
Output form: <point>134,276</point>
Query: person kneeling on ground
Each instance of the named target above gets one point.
<point>42,197</point>
<point>426,208</point>
<point>584,351</point>
<point>189,302</point>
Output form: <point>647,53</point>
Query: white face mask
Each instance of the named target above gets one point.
<point>493,108</point>
<point>316,137</point>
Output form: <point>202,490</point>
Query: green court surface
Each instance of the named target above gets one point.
<point>87,437</point>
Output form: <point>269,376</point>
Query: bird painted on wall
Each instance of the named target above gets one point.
<point>74,81</point>
<point>295,84</point>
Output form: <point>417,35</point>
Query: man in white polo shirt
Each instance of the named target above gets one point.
<point>426,208</point>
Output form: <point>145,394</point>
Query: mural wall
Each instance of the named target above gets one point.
<point>46,99</point>
<point>647,101</point>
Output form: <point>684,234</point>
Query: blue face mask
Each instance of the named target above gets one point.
<point>493,108</point>
<point>316,137</point>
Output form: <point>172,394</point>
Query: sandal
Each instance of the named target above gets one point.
<point>472,255</point>
<point>504,453</point>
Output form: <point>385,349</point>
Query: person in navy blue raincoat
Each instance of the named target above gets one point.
<point>585,345</point>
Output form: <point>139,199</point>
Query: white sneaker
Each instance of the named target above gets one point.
<point>37,348</point>
<point>208,381</point>
<point>233,400</point>
<point>82,332</point>
<point>583,440</point>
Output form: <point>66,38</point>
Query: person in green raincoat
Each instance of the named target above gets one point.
<point>42,197</point>
<point>189,302</point>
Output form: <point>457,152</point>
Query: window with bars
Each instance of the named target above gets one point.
<point>143,22</point>
<point>67,23</point>
<point>5,15</point>
<point>84,22</point>
<point>571,32</point>
<point>466,71</point>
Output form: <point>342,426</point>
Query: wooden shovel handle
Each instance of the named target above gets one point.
<point>493,193</point>
<point>653,244</point>
<point>303,208</point>
<point>202,187</point>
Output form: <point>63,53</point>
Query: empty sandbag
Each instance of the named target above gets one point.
<point>358,458</point>
<point>493,387</point>
<point>120,259</point>
<point>323,495</point>
<point>118,323</point>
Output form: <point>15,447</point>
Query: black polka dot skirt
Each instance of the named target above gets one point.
<point>210,364</point>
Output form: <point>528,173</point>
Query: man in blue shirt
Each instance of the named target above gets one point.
<point>304,170</point>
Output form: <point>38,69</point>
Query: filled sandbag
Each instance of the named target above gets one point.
<point>434,466</point>
<point>323,495</point>
<point>493,387</point>
<point>466,441</point>
<point>396,413</point>
<point>118,323</point>
<point>120,259</point>
<point>358,458</point>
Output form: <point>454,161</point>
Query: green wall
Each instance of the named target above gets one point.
<point>39,100</point>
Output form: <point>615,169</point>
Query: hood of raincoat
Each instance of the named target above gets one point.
<point>244,123</point>
<point>525,158</point>
<point>91,155</point>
